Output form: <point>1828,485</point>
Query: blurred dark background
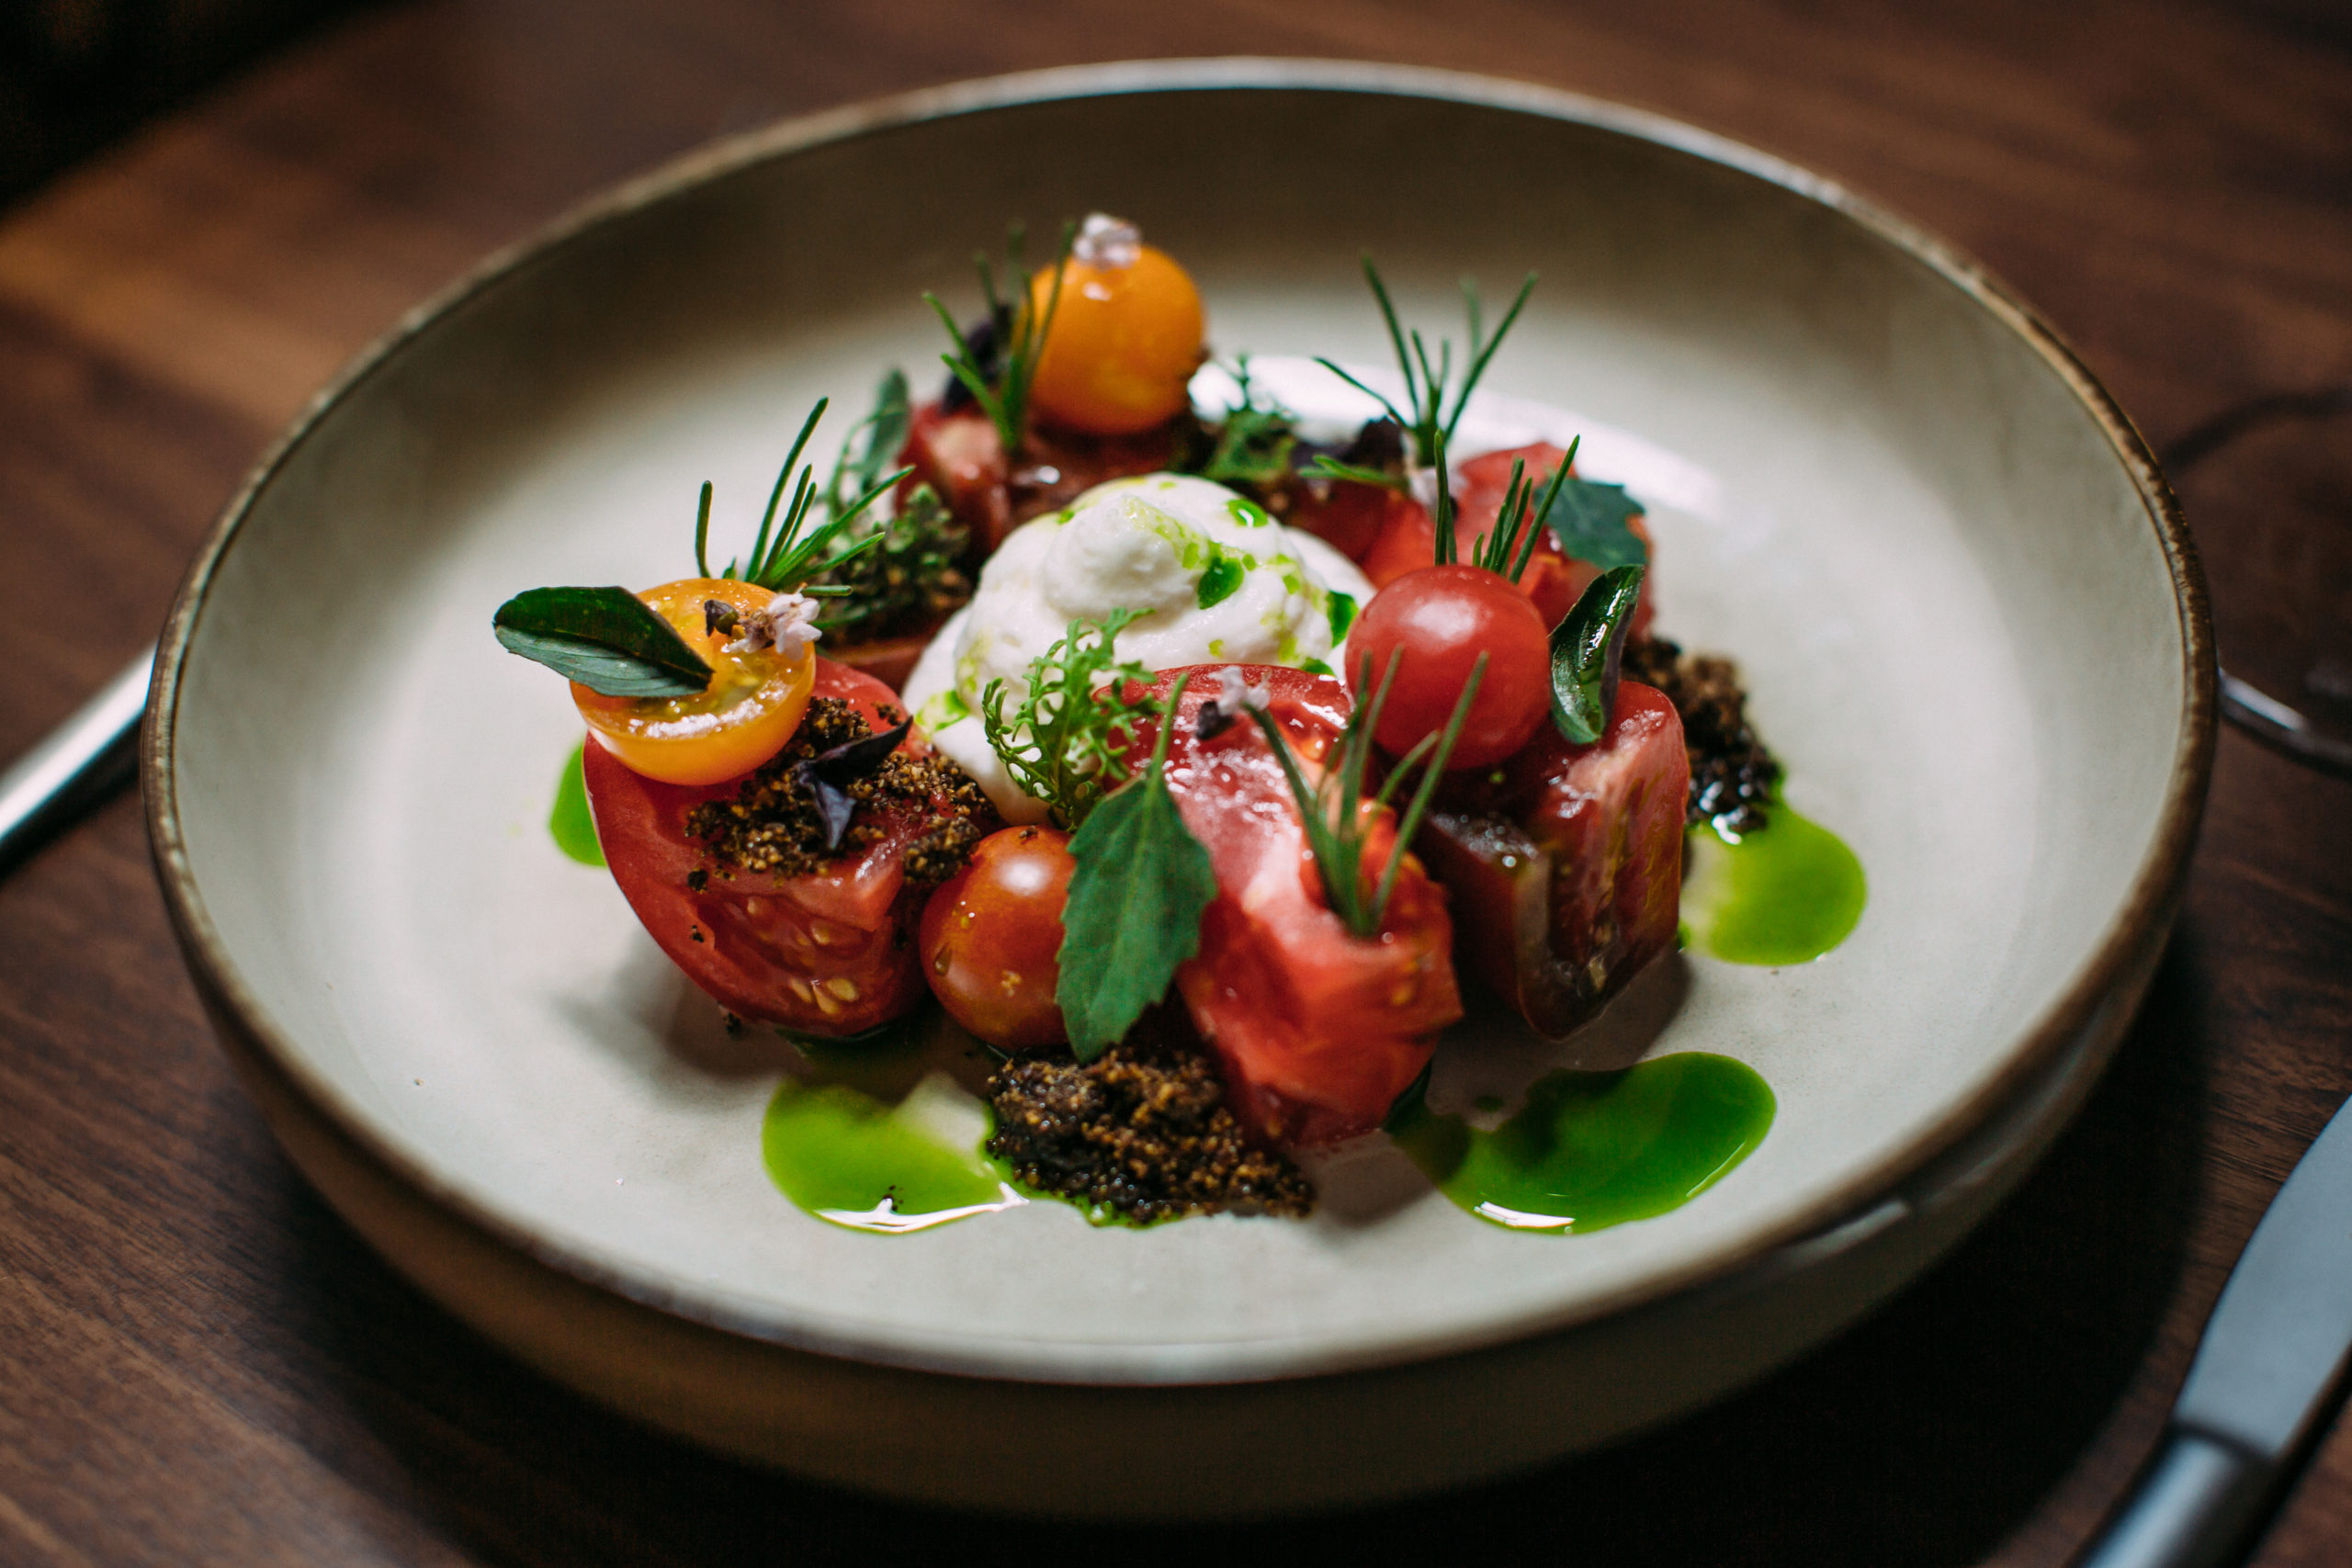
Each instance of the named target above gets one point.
<point>76,73</point>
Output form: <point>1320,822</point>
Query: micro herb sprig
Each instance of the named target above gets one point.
<point>1065,742</point>
<point>1428,416</point>
<point>784,557</point>
<point>909,576</point>
<point>1254,442</point>
<point>1016,329</point>
<point>1336,817</point>
<point>1510,543</point>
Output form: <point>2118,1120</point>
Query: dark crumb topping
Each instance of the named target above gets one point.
<point>774,825</point>
<point>1732,775</point>
<point>1142,1130</point>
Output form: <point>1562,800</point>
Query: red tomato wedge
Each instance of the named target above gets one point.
<point>1566,864</point>
<point>830,954</point>
<point>1407,540</point>
<point>1319,1030</point>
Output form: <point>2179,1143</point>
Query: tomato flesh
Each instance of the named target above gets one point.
<point>1566,864</point>
<point>1552,581</point>
<point>1437,623</point>
<point>829,954</point>
<point>1352,518</point>
<point>991,938</point>
<point>744,716</point>
<point>1319,1031</point>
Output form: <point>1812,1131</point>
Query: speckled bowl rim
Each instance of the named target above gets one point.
<point>2124,953</point>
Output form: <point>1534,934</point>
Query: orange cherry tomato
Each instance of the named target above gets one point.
<point>750,709</point>
<point>1122,347</point>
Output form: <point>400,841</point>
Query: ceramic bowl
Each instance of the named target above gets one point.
<point>1963,601</point>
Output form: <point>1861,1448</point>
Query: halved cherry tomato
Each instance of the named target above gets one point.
<point>830,954</point>
<point>1566,863</point>
<point>750,709</point>
<point>1436,623</point>
<point>991,938</point>
<point>1122,346</point>
<point>1319,1030</point>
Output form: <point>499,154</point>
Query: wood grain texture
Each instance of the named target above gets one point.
<point>199,1364</point>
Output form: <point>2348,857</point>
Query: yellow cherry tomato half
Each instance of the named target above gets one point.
<point>1122,347</point>
<point>750,709</point>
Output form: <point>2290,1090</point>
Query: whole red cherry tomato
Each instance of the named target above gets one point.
<point>991,938</point>
<point>1436,622</point>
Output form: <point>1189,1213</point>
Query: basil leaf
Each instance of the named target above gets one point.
<point>1590,520</point>
<point>1584,651</point>
<point>1134,911</point>
<point>607,638</point>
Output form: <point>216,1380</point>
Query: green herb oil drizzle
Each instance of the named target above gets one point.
<point>573,826</point>
<point>1590,1150</point>
<point>1785,894</point>
<point>857,1161</point>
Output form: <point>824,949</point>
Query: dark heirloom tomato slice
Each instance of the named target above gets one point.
<point>1319,1031</point>
<point>828,954</point>
<point>959,454</point>
<point>1554,580</point>
<point>1566,863</point>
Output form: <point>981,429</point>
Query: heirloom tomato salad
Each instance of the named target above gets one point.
<point>1201,761</point>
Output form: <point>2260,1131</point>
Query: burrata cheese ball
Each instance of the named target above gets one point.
<point>1212,578</point>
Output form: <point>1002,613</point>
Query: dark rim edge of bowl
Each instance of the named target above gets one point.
<point>2142,920</point>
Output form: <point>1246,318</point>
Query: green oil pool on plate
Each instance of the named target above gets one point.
<point>1785,894</point>
<point>1590,1150</point>
<point>570,821</point>
<point>856,1160</point>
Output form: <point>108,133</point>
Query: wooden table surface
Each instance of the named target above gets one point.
<point>199,1363</point>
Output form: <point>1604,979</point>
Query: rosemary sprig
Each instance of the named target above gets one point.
<point>784,557</point>
<point>1509,545</point>
<point>1333,811</point>
<point>1017,327</point>
<point>1434,404</point>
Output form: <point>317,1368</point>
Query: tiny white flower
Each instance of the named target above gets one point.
<point>1106,241</point>
<point>1233,693</point>
<point>788,624</point>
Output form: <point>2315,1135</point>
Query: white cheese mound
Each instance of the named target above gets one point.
<point>1147,545</point>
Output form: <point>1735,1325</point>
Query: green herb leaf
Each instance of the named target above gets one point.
<point>607,638</point>
<point>1135,899</point>
<point>1254,442</point>
<point>1343,616</point>
<point>1584,651</point>
<point>1590,520</point>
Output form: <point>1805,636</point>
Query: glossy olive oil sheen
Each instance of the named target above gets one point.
<point>854,1160</point>
<point>1785,894</point>
<point>571,823</point>
<point>1590,1150</point>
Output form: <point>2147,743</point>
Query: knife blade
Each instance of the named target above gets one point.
<point>2274,1350</point>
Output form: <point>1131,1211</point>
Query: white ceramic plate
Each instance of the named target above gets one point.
<point>1964,610</point>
